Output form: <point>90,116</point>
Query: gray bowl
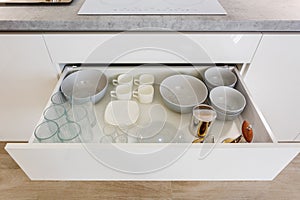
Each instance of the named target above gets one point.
<point>219,76</point>
<point>227,100</point>
<point>85,85</point>
<point>181,93</point>
<point>227,117</point>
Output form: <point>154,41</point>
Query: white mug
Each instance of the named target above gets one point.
<point>122,92</point>
<point>144,93</point>
<point>144,79</point>
<point>123,79</point>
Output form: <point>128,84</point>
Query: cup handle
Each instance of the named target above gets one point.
<point>136,82</point>
<point>135,94</point>
<point>115,82</point>
<point>113,94</point>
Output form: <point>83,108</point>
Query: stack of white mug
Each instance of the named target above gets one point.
<point>124,88</point>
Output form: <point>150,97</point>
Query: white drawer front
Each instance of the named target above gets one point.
<point>224,162</point>
<point>152,48</point>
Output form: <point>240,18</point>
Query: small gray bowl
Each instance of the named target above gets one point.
<point>85,85</point>
<point>227,100</point>
<point>219,76</point>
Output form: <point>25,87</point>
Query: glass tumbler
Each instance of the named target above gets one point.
<point>202,118</point>
<point>79,115</point>
<point>123,138</point>
<point>69,132</point>
<point>89,107</point>
<point>46,132</point>
<point>58,98</point>
<point>56,113</point>
<point>110,130</point>
<point>107,139</point>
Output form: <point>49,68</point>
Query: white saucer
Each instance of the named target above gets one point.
<point>122,113</point>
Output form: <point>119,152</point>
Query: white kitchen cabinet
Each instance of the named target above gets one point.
<point>162,47</point>
<point>273,79</point>
<point>263,159</point>
<point>27,78</point>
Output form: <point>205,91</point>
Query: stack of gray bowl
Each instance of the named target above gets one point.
<point>227,101</point>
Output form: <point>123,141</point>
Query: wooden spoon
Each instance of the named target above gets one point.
<point>247,131</point>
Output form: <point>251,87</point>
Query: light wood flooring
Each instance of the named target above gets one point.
<point>14,184</point>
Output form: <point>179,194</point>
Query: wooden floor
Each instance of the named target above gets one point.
<point>14,184</point>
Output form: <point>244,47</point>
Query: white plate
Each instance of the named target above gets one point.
<point>121,113</point>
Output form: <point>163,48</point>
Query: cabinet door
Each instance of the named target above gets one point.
<point>273,79</point>
<point>27,78</point>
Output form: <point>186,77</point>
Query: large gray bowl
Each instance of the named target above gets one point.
<point>85,85</point>
<point>181,93</point>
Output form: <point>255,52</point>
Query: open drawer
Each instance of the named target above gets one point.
<point>262,159</point>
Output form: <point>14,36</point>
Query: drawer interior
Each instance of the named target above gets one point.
<point>158,111</point>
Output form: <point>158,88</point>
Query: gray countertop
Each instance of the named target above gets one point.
<point>243,15</point>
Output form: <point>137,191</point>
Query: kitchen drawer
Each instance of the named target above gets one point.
<point>262,159</point>
<point>150,47</point>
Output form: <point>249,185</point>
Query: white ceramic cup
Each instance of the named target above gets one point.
<point>122,92</point>
<point>123,79</point>
<point>144,79</point>
<point>144,93</point>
